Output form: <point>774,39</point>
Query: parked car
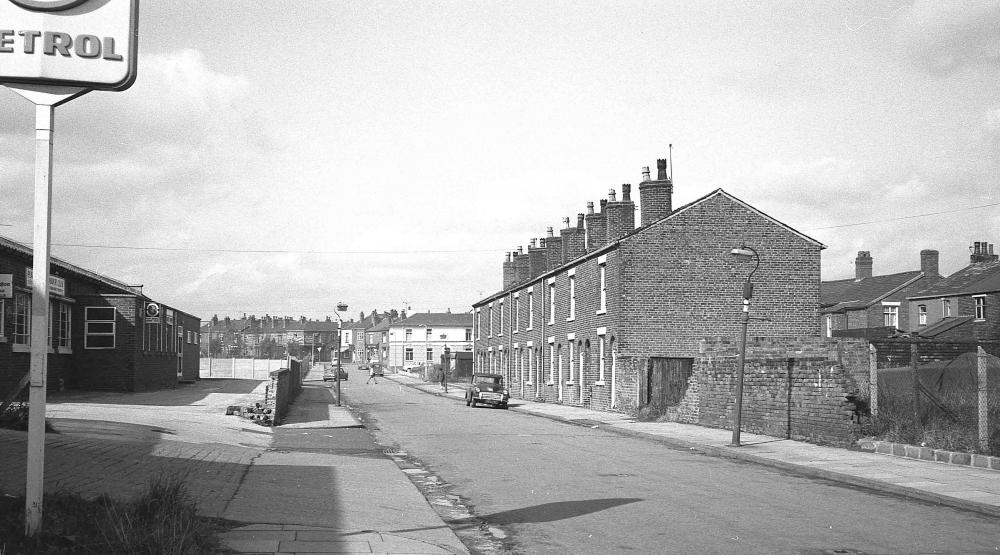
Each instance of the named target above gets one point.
<point>489,389</point>
<point>330,373</point>
<point>379,368</point>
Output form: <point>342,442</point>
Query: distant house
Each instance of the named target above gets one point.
<point>269,337</point>
<point>965,306</point>
<point>870,302</point>
<point>421,338</point>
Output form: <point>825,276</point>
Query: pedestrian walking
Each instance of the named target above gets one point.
<point>444,377</point>
<point>371,374</point>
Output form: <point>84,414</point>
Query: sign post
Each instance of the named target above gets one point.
<point>52,51</point>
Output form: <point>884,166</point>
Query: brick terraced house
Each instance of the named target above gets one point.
<point>604,313</point>
<point>104,334</point>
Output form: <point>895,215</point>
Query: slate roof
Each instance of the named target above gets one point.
<point>82,272</point>
<point>844,294</point>
<point>981,277</point>
<point>436,319</point>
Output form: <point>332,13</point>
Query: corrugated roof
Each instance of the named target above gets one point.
<point>981,277</point>
<point>944,325</point>
<point>859,293</point>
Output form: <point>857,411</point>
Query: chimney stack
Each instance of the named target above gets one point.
<point>509,278</point>
<point>574,239</point>
<point>863,265</point>
<point>929,263</point>
<point>621,214</point>
<point>536,260</point>
<point>655,197</point>
<point>553,250</point>
<point>597,226</point>
<point>522,266</point>
<point>982,252</point>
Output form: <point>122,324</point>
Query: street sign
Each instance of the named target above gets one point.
<point>77,43</point>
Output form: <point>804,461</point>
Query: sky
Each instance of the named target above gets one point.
<point>282,157</point>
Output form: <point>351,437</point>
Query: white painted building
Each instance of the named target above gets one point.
<point>420,339</point>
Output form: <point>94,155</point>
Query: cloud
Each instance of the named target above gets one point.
<point>942,37</point>
<point>991,124</point>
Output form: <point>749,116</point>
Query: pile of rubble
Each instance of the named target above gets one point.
<point>258,413</point>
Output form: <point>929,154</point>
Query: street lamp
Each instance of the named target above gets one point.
<point>341,307</point>
<point>743,253</point>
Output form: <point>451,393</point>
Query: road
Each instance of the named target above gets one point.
<point>550,487</point>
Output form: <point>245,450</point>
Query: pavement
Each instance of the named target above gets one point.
<point>963,487</point>
<point>317,483</point>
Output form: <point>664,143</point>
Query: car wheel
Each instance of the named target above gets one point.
<point>504,406</point>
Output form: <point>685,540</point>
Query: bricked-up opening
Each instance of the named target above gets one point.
<point>655,197</point>
<point>863,265</point>
<point>597,226</point>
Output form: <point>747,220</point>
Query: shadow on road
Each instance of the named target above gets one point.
<point>549,512</point>
<point>183,394</point>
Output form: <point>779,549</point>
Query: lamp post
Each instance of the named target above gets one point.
<point>341,307</point>
<point>741,253</point>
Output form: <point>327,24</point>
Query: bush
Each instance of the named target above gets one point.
<point>162,520</point>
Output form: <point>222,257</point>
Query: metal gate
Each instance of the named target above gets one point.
<point>666,380</point>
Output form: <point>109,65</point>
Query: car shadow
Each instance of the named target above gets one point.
<point>548,512</point>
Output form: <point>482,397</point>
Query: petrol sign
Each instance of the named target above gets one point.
<point>80,43</point>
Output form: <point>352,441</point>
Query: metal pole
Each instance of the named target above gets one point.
<point>738,418</point>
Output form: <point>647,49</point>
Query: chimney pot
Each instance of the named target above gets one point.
<point>534,243</point>
<point>611,195</point>
<point>590,207</point>
<point>661,169</point>
<point>645,173</point>
<point>579,221</point>
<point>604,202</point>
<point>565,222</point>
<point>520,251</point>
<point>548,230</point>
<point>626,192</point>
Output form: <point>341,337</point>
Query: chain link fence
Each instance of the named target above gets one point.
<point>943,396</point>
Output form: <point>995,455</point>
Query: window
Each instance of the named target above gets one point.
<point>980,307</point>
<point>430,353</point>
<point>570,379</point>
<point>600,359</point>
<point>409,335</point>
<point>99,327</point>
<point>552,363</point>
<point>552,302</point>
<point>371,338</point>
<point>890,315</point>
<point>531,364</point>
<point>63,326</point>
<point>572,298</point>
<point>408,353</point>
<point>490,315</point>
<point>531,310</point>
<point>922,315</point>
<point>516,317</point>
<point>501,317</point>
<point>603,272</point>
<point>945,307</point>
<point>468,334</point>
<point>22,319</point>
<point>430,334</point>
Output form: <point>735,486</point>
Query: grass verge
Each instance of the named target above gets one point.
<point>162,520</point>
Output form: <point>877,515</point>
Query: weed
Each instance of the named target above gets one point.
<point>161,521</point>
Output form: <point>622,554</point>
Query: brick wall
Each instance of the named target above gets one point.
<point>793,387</point>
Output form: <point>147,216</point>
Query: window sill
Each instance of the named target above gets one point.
<point>550,382</point>
<point>601,312</point>
<point>529,383</point>
<point>571,382</point>
<point>529,328</point>
<point>600,382</point>
<point>979,320</point>
<point>3,339</point>
<point>571,318</point>
<point>515,331</point>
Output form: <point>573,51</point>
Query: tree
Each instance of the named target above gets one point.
<point>394,314</point>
